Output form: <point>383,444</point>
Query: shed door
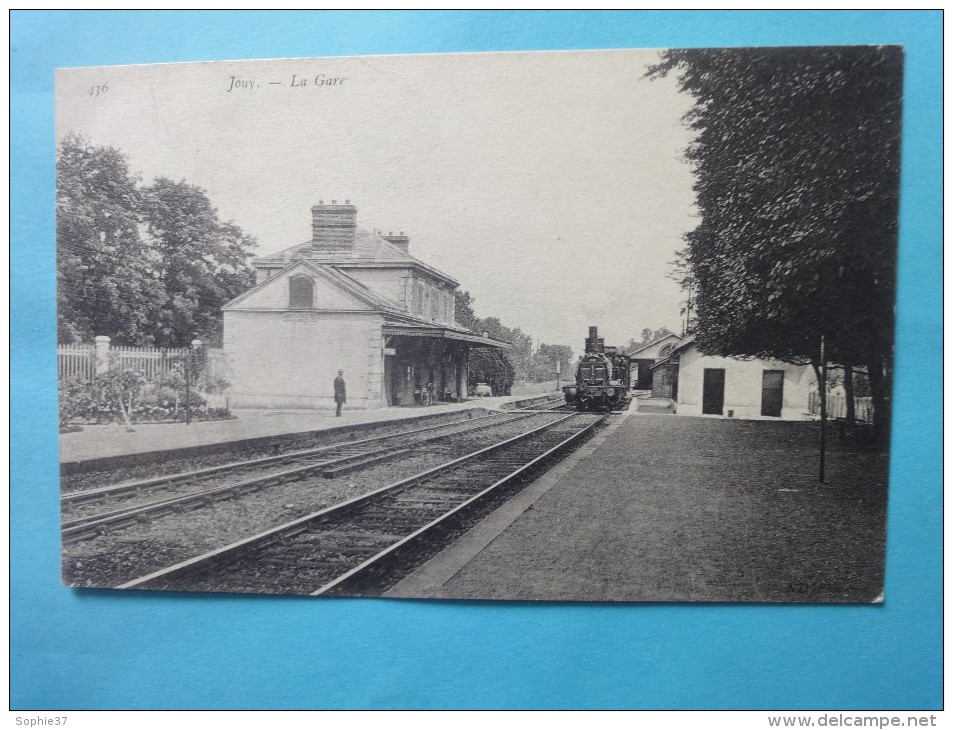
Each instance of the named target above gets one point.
<point>772,393</point>
<point>713,391</point>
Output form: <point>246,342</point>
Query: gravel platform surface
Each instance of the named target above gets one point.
<point>675,508</point>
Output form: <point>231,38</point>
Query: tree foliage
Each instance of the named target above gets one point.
<point>523,361</point>
<point>490,367</point>
<point>796,160</point>
<point>201,261</point>
<point>143,265</point>
<point>104,279</point>
<point>543,364</point>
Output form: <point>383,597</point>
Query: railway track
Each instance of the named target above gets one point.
<point>199,487</point>
<point>555,404</point>
<point>344,546</point>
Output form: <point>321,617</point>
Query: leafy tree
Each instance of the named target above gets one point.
<point>658,335</point>
<point>201,262</point>
<point>123,385</point>
<point>796,158</point>
<point>543,365</point>
<point>103,270</point>
<point>142,265</point>
<point>491,367</point>
<point>463,310</point>
<point>498,369</point>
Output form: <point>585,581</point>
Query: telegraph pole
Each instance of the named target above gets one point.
<point>822,390</point>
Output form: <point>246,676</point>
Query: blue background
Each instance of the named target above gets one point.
<point>75,649</point>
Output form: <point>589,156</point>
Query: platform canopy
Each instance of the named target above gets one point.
<point>399,329</point>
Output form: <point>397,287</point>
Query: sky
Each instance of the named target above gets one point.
<point>552,185</point>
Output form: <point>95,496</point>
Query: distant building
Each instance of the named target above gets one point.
<point>734,387</point>
<point>646,356</point>
<point>350,300</point>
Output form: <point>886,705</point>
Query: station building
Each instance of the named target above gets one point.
<point>352,300</point>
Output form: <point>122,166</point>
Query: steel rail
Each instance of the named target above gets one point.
<point>417,534</point>
<point>74,530</point>
<point>92,525</point>
<point>167,480</point>
<point>209,560</point>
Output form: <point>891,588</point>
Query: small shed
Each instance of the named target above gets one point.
<point>646,356</point>
<point>734,387</point>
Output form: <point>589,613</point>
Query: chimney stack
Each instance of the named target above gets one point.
<point>333,226</point>
<point>401,241</point>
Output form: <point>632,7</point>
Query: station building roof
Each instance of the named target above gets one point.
<point>397,321</point>
<point>369,250</point>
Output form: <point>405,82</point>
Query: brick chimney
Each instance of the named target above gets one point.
<point>333,226</point>
<point>401,241</point>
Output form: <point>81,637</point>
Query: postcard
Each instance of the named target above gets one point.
<point>574,326</point>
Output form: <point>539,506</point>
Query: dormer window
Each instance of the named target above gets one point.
<point>300,293</point>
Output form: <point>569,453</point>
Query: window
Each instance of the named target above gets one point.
<point>300,293</point>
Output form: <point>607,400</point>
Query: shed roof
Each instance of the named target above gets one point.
<point>634,355</point>
<point>673,355</point>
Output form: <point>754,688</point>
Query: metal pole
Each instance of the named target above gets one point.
<point>188,378</point>
<point>190,366</point>
<point>822,389</point>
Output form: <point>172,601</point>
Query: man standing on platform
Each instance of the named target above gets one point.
<point>340,392</point>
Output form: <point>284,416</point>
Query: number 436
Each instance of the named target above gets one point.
<point>98,90</point>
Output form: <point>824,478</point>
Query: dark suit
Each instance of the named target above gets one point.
<point>340,393</point>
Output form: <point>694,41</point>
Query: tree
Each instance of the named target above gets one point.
<point>491,367</point>
<point>796,161</point>
<point>201,262</point>
<point>463,310</point>
<point>543,364</point>
<point>498,368</point>
<point>104,281</point>
<point>142,265</point>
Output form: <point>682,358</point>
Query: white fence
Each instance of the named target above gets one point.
<point>151,362</point>
<point>837,406</point>
<point>76,362</point>
<point>83,362</point>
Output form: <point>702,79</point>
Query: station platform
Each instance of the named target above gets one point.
<point>100,441</point>
<point>673,508</point>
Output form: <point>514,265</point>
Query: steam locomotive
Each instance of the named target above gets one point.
<point>602,377</point>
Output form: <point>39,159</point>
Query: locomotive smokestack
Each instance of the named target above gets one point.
<point>594,343</point>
